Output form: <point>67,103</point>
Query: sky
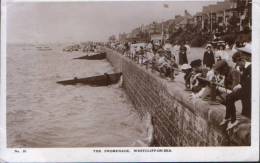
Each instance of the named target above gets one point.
<point>31,22</point>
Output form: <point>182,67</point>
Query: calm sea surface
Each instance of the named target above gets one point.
<point>41,113</point>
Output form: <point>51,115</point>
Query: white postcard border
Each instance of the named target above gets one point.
<point>178,153</point>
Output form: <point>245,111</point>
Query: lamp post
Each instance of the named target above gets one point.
<point>163,34</point>
<point>210,22</point>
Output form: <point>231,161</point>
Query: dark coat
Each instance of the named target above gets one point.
<point>208,59</point>
<point>246,91</point>
<point>232,79</point>
<point>245,81</point>
<point>183,55</point>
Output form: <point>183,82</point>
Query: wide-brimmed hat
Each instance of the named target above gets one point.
<point>221,44</point>
<point>185,67</point>
<point>245,49</point>
<point>208,45</point>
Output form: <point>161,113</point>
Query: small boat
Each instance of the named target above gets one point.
<point>43,48</point>
<point>97,56</point>
<point>100,80</point>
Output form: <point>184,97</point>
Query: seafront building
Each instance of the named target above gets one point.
<point>220,18</point>
<point>225,15</point>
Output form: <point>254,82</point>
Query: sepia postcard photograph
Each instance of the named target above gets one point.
<point>129,80</point>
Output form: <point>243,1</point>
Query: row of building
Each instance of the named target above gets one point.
<point>223,17</point>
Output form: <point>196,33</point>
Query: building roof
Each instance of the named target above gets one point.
<point>220,6</point>
<point>184,22</point>
<point>199,14</point>
<point>178,19</point>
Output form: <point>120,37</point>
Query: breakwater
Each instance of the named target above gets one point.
<point>177,119</point>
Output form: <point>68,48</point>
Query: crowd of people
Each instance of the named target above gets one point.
<point>230,82</point>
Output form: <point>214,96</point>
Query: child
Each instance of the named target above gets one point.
<point>208,58</point>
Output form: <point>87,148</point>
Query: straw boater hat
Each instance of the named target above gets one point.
<point>185,67</point>
<point>242,53</point>
<point>221,44</point>
<point>208,45</point>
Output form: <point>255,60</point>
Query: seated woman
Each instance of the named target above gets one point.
<point>192,73</point>
<point>204,93</point>
<point>140,56</point>
<point>155,60</point>
<point>148,57</point>
<point>197,71</point>
<point>168,64</point>
<point>162,63</point>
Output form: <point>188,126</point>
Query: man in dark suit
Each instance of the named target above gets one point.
<point>209,58</point>
<point>241,91</point>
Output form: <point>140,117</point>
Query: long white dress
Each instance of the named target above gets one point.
<point>175,51</point>
<point>221,54</point>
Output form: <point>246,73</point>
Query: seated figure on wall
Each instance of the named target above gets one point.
<point>162,62</point>
<point>169,65</point>
<point>240,91</point>
<point>191,73</point>
<point>140,56</point>
<point>148,57</point>
<point>226,79</point>
<point>205,92</point>
<point>155,60</point>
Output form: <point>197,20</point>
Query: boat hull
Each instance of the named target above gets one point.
<point>98,56</point>
<point>100,80</point>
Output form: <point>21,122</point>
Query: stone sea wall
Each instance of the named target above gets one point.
<point>177,120</point>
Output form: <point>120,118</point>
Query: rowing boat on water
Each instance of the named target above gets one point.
<point>97,56</point>
<point>100,80</point>
<point>43,48</point>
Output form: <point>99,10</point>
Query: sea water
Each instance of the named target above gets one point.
<point>42,113</point>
